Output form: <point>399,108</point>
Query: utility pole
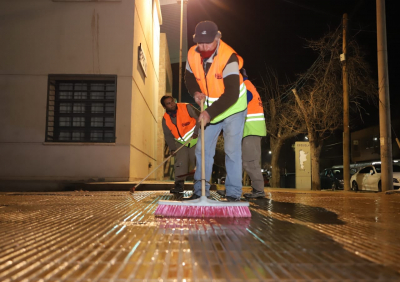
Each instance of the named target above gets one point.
<point>384,100</point>
<point>346,124</point>
<point>180,55</point>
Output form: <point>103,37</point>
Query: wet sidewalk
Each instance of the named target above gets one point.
<point>114,236</point>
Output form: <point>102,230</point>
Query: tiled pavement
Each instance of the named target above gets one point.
<point>114,236</point>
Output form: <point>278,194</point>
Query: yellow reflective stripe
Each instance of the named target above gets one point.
<point>242,91</point>
<point>254,119</point>
<point>189,133</point>
<point>255,115</point>
<point>187,136</point>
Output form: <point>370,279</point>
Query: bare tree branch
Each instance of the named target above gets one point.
<point>281,118</point>
<point>320,100</point>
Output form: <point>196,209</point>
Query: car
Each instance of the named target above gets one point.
<point>369,178</point>
<point>332,178</point>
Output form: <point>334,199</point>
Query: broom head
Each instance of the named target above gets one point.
<point>202,207</point>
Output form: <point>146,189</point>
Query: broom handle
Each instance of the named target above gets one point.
<point>203,165</point>
<point>190,139</point>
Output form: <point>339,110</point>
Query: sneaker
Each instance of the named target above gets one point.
<point>255,194</point>
<point>232,199</point>
<point>221,192</point>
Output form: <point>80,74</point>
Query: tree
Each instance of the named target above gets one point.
<point>320,99</point>
<point>281,119</point>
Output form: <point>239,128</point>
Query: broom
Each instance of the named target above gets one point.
<point>202,207</point>
<point>134,187</point>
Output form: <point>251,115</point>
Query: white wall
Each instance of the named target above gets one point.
<point>42,37</point>
<point>145,91</point>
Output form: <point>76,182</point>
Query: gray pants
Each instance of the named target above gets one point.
<point>251,154</point>
<point>184,161</point>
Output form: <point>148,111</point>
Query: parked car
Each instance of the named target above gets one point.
<point>369,178</point>
<point>332,178</point>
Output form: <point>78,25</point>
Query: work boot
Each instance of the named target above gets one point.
<point>232,199</point>
<point>179,185</point>
<point>255,194</point>
<point>221,192</point>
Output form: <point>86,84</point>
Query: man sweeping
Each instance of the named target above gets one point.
<point>212,74</point>
<point>179,125</point>
<point>213,79</point>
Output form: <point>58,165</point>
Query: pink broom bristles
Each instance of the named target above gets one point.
<point>195,211</point>
<point>202,207</point>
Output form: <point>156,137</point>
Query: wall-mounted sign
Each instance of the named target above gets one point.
<point>142,59</point>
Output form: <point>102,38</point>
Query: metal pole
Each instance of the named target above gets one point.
<point>384,100</point>
<point>346,127</point>
<point>180,55</point>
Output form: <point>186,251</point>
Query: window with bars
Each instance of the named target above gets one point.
<point>81,108</point>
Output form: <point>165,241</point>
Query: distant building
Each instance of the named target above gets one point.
<point>365,144</point>
<point>80,84</point>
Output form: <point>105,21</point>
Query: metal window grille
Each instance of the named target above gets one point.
<point>81,108</point>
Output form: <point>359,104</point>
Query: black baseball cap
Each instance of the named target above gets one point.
<point>205,32</point>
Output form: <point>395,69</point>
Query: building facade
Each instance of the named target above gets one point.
<point>365,144</point>
<point>80,85</point>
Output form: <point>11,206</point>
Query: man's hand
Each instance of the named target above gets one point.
<point>198,97</point>
<point>205,117</point>
<point>194,135</point>
<point>173,153</point>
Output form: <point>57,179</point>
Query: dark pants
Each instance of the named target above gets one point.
<point>184,161</point>
<point>251,154</point>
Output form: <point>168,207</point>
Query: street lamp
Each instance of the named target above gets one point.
<point>180,52</point>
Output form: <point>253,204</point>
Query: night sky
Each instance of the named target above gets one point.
<point>272,33</point>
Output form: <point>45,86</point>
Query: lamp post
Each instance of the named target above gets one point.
<point>180,52</point>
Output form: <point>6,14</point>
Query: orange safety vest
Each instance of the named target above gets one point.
<point>255,120</point>
<point>212,85</point>
<point>184,127</point>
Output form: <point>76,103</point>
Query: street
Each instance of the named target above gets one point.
<point>114,236</point>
